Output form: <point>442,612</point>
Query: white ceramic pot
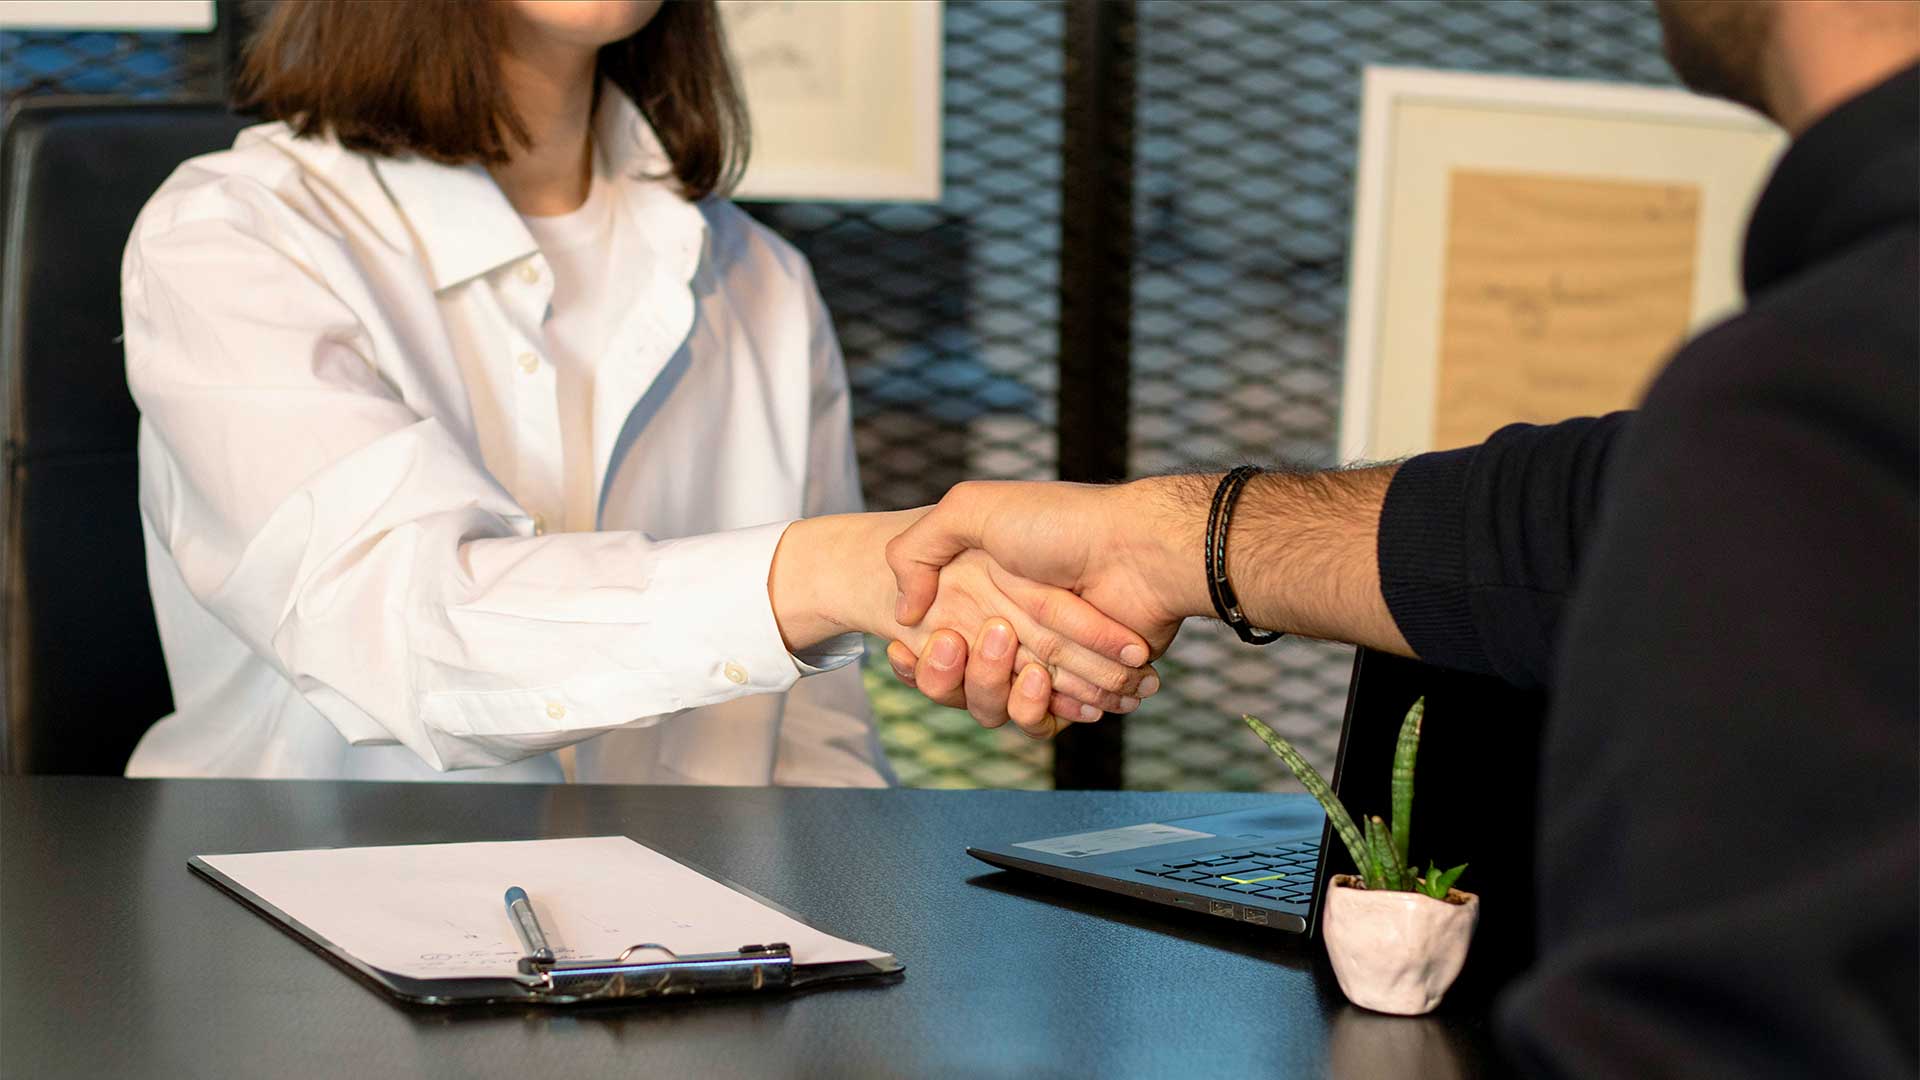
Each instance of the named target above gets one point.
<point>1396,952</point>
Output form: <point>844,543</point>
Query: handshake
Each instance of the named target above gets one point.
<point>1044,603</point>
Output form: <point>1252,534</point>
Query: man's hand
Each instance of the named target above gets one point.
<point>1133,550</point>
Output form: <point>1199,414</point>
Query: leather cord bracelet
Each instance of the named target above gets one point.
<point>1219,518</point>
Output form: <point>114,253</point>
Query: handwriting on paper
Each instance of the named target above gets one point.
<point>786,50</point>
<point>1562,296</point>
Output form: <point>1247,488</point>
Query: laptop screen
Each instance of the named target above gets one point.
<point>1474,794</point>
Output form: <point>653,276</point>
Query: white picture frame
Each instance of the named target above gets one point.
<point>194,16</point>
<point>844,97</point>
<point>1420,129</point>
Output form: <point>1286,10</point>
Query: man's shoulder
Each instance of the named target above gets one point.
<point>1863,293</point>
<point>1843,334</point>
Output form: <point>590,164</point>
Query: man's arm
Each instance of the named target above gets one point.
<point>1479,548</point>
<point>1301,555</point>
<point>1299,550</point>
<point>1464,558</point>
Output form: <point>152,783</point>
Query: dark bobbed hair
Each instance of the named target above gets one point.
<point>422,77</point>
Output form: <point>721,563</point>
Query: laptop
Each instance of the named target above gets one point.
<point>1259,866</point>
<point>1266,867</point>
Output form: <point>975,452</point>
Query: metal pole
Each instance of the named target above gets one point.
<point>1096,299</point>
<point>231,26</point>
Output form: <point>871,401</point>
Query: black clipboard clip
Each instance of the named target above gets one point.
<point>744,970</point>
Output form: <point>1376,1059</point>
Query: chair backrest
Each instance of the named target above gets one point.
<point>1475,788</point>
<point>84,677</point>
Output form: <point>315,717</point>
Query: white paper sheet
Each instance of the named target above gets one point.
<point>437,911</point>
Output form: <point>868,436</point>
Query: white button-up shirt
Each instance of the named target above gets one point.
<point>351,482</point>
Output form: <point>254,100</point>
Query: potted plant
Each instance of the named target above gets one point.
<point>1397,938</point>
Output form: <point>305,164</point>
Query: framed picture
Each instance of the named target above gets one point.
<point>844,96</point>
<point>193,15</point>
<point>1529,249</point>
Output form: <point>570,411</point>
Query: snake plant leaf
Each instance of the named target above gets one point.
<point>1369,872</point>
<point>1447,878</point>
<point>1403,755</point>
<point>1382,874</point>
<point>1427,879</point>
<point>1317,786</point>
<point>1392,870</point>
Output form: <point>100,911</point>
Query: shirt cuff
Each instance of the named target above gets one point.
<point>835,652</point>
<point>716,586</point>
<point>656,628</point>
<point>1423,561</point>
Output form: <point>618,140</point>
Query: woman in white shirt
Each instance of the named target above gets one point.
<point>475,428</point>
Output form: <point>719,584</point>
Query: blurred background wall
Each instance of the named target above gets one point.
<point>1199,300</point>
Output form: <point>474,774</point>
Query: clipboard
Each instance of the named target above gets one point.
<point>644,970</point>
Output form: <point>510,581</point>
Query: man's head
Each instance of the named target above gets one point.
<point>1719,47</point>
<point>1790,59</point>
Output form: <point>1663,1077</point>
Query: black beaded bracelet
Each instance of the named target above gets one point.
<point>1225,604</point>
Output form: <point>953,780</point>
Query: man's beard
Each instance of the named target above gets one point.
<point>1718,47</point>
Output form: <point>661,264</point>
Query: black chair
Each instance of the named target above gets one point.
<point>84,677</point>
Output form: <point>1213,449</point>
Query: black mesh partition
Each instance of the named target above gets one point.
<point>1248,117</point>
<point>140,65</point>
<point>1172,295</point>
<point>949,317</point>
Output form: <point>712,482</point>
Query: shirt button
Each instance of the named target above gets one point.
<point>529,363</point>
<point>736,674</point>
<point>539,524</point>
<point>556,711</point>
<point>529,272</point>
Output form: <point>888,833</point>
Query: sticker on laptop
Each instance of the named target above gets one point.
<point>1108,841</point>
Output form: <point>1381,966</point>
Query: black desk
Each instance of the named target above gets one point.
<point>116,960</point>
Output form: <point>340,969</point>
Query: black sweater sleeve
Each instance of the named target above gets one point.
<point>1479,547</point>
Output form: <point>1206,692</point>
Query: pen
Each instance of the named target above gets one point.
<point>520,911</point>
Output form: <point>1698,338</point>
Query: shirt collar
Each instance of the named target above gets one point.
<point>466,227</point>
<point>1849,175</point>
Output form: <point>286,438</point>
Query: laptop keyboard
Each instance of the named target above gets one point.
<point>1284,872</point>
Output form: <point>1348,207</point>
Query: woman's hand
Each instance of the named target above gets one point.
<point>1026,666</point>
<point>830,576</point>
<point>983,682</point>
<point>985,685</point>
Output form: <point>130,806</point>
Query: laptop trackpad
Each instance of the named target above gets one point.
<point>1113,841</point>
<point>1287,816</point>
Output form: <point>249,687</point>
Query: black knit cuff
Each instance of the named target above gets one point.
<point>1423,559</point>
